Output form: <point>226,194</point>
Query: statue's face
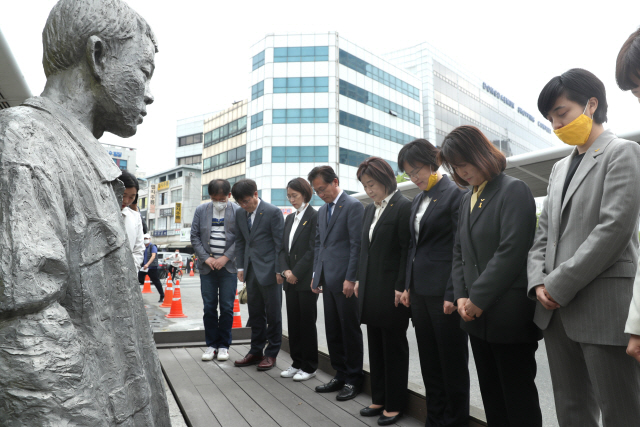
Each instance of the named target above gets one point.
<point>125,92</point>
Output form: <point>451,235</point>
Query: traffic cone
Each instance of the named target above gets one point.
<point>191,273</point>
<point>146,289</point>
<point>176,305</point>
<point>237,320</point>
<point>168,294</point>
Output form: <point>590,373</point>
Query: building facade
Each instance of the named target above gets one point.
<point>319,99</point>
<point>224,146</point>
<point>168,203</point>
<point>189,137</point>
<point>123,157</point>
<point>452,97</point>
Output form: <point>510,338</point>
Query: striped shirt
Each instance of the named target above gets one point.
<point>218,237</point>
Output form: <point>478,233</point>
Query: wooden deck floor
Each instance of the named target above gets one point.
<point>219,394</point>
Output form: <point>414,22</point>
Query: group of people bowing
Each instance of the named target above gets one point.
<point>467,261</point>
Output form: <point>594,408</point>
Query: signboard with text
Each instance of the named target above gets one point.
<point>168,212</point>
<point>178,218</point>
<point>152,198</point>
<point>185,235</point>
<point>163,185</point>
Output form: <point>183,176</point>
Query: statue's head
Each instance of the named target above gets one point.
<point>116,48</point>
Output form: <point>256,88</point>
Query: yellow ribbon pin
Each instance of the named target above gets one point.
<point>480,205</point>
<point>305,223</point>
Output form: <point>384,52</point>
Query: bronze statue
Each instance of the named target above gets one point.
<point>76,348</point>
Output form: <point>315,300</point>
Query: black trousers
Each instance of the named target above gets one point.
<point>302,313</point>
<point>153,276</point>
<point>507,375</point>
<point>444,361</point>
<point>265,311</point>
<point>389,363</point>
<point>344,336</point>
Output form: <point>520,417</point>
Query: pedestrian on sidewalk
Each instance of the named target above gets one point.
<point>150,266</point>
<point>213,237</point>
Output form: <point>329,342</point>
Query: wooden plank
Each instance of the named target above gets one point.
<point>250,410</point>
<point>293,403</point>
<point>190,367</point>
<point>196,411</point>
<point>224,411</point>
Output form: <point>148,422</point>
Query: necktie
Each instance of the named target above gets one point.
<point>249,220</point>
<point>329,212</point>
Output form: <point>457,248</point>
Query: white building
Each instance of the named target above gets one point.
<point>189,140</point>
<point>452,97</point>
<point>123,157</point>
<point>168,204</point>
<point>318,99</point>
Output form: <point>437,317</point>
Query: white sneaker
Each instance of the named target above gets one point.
<point>290,372</point>
<point>209,353</point>
<point>223,354</point>
<point>303,376</point>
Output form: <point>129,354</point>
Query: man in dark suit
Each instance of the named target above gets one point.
<point>258,241</point>
<point>335,271</point>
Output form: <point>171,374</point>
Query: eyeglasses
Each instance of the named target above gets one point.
<point>414,173</point>
<point>244,202</point>
<point>320,191</point>
<point>293,196</point>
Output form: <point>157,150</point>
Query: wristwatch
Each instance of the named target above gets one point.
<point>283,275</point>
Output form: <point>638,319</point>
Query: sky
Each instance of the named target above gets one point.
<point>203,63</point>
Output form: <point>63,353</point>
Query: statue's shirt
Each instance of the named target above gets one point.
<point>76,347</point>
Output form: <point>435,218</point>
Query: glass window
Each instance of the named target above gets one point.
<point>256,157</point>
<point>299,85</point>
<point>123,165</point>
<point>256,120</point>
<point>279,197</point>
<point>280,85</point>
<point>205,192</point>
<point>227,131</point>
<point>176,195</point>
<point>302,154</point>
<point>378,75</point>
<point>231,156</point>
<point>305,115</point>
<point>180,173</point>
<point>257,90</point>
<point>375,129</point>
<point>258,60</point>
<point>163,198</point>
<point>152,224</point>
<point>377,102</point>
<point>301,54</point>
<point>172,176</point>
<point>190,140</point>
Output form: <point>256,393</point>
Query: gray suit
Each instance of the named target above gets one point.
<point>585,253</point>
<point>257,253</point>
<point>201,232</point>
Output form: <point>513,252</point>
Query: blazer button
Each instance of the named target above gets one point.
<point>462,262</point>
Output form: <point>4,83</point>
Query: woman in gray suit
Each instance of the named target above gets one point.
<point>496,226</point>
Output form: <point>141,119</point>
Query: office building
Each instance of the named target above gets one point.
<point>168,203</point>
<point>189,140</point>
<point>319,99</point>
<point>225,142</point>
<point>452,97</point>
<point>123,157</point>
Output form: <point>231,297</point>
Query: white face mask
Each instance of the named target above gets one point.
<point>219,205</point>
<point>146,241</point>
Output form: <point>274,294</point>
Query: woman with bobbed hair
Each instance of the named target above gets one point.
<point>381,278</point>
<point>296,267</point>
<point>496,227</point>
<point>443,347</point>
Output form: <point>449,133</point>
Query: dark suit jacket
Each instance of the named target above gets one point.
<point>299,257</point>
<point>381,268</point>
<point>429,260</point>
<point>338,244</point>
<point>262,244</point>
<point>490,261</point>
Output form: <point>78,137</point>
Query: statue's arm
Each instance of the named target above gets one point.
<point>33,241</point>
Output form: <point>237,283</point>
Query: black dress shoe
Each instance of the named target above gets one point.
<point>161,299</point>
<point>348,392</point>
<point>331,386</point>
<point>371,412</point>
<point>387,421</point>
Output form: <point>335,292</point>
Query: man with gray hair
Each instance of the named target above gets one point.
<point>76,344</point>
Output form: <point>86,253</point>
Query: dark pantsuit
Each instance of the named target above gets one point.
<point>265,312</point>
<point>444,361</point>
<point>302,313</point>
<point>153,276</point>
<point>389,362</point>
<point>507,373</point>
<point>344,336</point>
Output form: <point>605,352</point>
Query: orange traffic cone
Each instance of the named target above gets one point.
<point>191,273</point>
<point>237,319</point>
<point>176,305</point>
<point>168,294</point>
<point>146,289</point>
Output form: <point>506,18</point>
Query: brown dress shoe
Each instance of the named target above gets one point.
<point>248,360</point>
<point>267,363</point>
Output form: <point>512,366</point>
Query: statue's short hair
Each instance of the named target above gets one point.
<point>72,22</point>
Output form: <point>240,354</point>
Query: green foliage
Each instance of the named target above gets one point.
<point>402,178</point>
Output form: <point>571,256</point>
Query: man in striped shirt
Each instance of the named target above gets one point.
<point>213,236</point>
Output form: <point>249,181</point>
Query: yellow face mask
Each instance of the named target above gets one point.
<point>577,132</point>
<point>433,180</point>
